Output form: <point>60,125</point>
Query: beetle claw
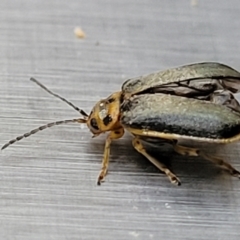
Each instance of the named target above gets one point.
<point>174,180</point>
<point>99,182</point>
<point>235,173</point>
<point>100,179</point>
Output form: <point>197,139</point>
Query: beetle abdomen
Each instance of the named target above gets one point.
<point>180,115</point>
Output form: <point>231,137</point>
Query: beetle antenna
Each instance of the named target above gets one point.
<point>42,128</point>
<point>85,115</point>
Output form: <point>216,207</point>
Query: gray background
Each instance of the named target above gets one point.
<point>48,182</point>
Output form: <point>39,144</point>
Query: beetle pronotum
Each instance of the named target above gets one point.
<point>192,102</point>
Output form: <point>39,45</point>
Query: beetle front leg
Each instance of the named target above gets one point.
<point>105,162</point>
<point>162,167</point>
<point>186,151</point>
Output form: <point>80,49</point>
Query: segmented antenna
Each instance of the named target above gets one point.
<point>85,115</point>
<point>42,128</point>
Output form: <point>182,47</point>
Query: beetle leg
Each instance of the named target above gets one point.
<point>186,151</point>
<point>222,164</point>
<point>162,167</point>
<point>105,162</point>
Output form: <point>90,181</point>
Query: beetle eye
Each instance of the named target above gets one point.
<point>94,124</point>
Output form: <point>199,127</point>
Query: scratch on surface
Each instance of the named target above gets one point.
<point>167,205</point>
<point>134,234</point>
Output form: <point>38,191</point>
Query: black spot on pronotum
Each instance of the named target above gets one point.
<point>107,120</point>
<point>94,124</point>
<point>110,100</point>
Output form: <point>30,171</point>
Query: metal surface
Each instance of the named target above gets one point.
<point>48,182</point>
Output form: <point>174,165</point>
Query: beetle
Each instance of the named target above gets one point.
<point>192,102</point>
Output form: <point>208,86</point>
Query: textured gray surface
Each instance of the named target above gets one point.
<point>48,182</point>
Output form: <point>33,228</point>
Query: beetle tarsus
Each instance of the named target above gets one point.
<point>101,176</point>
<point>175,180</point>
<point>100,179</point>
<point>162,167</point>
<point>221,163</point>
<point>235,173</point>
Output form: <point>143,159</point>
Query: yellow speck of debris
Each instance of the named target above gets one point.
<point>79,33</point>
<point>194,3</point>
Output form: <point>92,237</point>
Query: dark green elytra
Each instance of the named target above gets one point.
<point>180,115</point>
<point>192,100</point>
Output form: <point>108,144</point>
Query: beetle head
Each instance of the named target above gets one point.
<point>105,115</point>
